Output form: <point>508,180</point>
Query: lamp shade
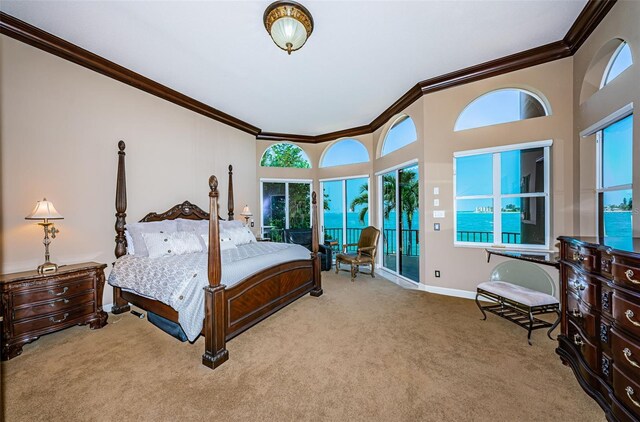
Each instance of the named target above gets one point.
<point>246,211</point>
<point>44,210</point>
<point>289,24</point>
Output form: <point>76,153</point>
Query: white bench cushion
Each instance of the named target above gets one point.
<point>518,293</point>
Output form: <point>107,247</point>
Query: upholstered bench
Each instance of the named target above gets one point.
<point>519,291</point>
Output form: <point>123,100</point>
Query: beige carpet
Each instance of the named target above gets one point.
<point>368,350</point>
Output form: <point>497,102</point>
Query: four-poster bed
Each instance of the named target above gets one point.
<point>228,310</point>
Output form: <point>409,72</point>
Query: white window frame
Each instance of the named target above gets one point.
<point>600,189</point>
<point>497,196</point>
<point>286,199</point>
<point>344,203</point>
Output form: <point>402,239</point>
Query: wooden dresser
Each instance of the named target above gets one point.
<point>36,304</point>
<point>600,337</point>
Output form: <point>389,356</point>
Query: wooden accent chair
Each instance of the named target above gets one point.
<point>365,254</point>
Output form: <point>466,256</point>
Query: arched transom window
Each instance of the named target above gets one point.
<point>401,133</point>
<point>501,106</point>
<point>346,151</point>
<point>285,155</point>
<point>620,61</point>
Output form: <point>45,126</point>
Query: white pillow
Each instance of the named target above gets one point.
<point>130,248</point>
<point>241,236</point>
<point>137,229</point>
<point>178,243</point>
<point>225,242</point>
<point>234,224</point>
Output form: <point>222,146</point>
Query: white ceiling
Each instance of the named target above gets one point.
<point>361,57</point>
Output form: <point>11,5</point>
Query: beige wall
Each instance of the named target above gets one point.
<point>592,105</point>
<point>60,124</point>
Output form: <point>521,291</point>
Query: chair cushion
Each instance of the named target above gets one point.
<point>353,257</point>
<point>518,293</point>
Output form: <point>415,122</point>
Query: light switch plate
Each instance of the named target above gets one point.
<point>438,214</point>
<point>436,202</point>
<point>436,191</point>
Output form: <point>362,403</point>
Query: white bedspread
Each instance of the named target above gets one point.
<point>178,281</point>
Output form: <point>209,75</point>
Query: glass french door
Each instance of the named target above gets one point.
<point>400,211</point>
<point>285,205</point>
<point>346,211</point>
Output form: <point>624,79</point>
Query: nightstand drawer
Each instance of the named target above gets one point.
<point>59,318</point>
<point>53,291</point>
<point>52,306</point>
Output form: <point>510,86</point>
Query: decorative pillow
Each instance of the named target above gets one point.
<point>235,224</point>
<point>241,236</point>
<point>130,248</point>
<point>198,226</point>
<point>136,230</point>
<point>178,243</point>
<point>225,243</point>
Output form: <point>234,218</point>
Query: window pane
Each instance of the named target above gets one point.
<point>358,208</point>
<point>523,221</point>
<point>617,213</point>
<point>410,228</point>
<point>273,210</point>
<point>503,106</point>
<point>333,212</point>
<point>402,133</point>
<point>620,62</point>
<point>285,155</point>
<point>348,151</point>
<point>474,220</point>
<point>474,175</point>
<point>299,205</point>
<point>522,171</point>
<point>389,238</point>
<point>617,153</point>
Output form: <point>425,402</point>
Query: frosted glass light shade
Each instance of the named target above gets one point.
<point>289,23</point>
<point>44,210</point>
<point>246,211</point>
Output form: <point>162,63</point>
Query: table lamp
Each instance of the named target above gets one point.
<point>45,211</point>
<point>246,213</point>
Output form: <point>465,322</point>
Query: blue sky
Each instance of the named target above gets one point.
<point>334,190</point>
<point>400,135</point>
<point>617,159</point>
<point>348,151</point>
<point>493,108</point>
<point>621,62</point>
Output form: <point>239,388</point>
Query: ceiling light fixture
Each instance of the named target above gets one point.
<point>289,24</point>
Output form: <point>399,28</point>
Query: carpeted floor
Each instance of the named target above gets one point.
<point>368,350</point>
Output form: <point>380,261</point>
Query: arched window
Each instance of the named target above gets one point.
<point>285,155</point>
<point>346,151</point>
<point>401,133</point>
<point>620,60</point>
<point>501,106</point>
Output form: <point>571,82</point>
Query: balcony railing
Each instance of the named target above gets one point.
<point>410,240</point>
<point>487,237</point>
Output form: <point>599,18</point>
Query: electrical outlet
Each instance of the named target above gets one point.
<point>252,223</point>
<point>437,274</point>
<point>436,227</point>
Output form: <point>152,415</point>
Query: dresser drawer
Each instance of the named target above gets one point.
<point>583,257</point>
<point>626,354</point>
<point>60,318</point>
<point>626,275</point>
<point>51,306</point>
<point>625,389</point>
<point>580,284</point>
<point>626,313</point>
<point>53,291</point>
<point>588,350</point>
<point>581,316</point>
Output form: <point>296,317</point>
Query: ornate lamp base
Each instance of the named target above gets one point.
<point>47,267</point>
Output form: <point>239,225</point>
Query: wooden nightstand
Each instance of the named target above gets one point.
<point>35,304</point>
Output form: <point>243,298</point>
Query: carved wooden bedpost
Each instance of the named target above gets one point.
<point>317,282</point>
<point>215,352</point>
<point>230,193</point>
<point>120,305</point>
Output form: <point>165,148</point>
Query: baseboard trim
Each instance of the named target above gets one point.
<point>465,294</point>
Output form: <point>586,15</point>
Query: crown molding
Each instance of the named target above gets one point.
<point>43,40</point>
<point>592,14</point>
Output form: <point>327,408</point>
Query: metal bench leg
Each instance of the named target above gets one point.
<point>480,307</point>
<point>555,324</point>
<point>530,327</point>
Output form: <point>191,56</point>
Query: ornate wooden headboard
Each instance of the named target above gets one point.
<point>185,210</point>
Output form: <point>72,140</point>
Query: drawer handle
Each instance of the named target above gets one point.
<point>577,256</point>
<point>52,319</point>
<point>629,274</point>
<point>630,394</point>
<point>576,313</point>
<point>577,340</point>
<point>629,314</point>
<point>627,355</point>
<point>53,304</point>
<point>51,292</point>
